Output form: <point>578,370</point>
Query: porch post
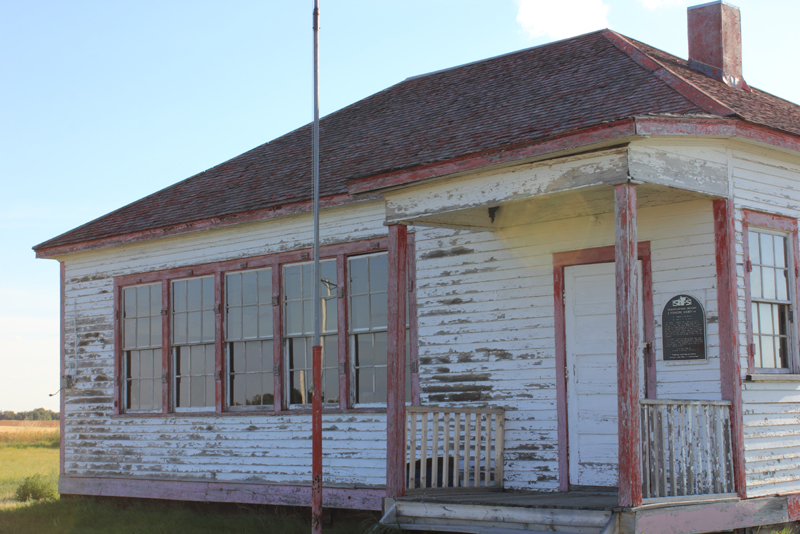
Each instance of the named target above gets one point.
<point>396,359</point>
<point>729,366</point>
<point>625,258</point>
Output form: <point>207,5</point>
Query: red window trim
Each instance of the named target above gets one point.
<point>276,261</point>
<point>781,224</point>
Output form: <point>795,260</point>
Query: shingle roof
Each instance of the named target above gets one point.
<point>518,97</point>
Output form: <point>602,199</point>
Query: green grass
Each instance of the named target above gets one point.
<point>28,453</point>
<point>17,463</point>
<point>86,516</point>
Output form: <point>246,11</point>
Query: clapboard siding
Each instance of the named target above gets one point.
<point>231,447</point>
<point>485,313</point>
<point>764,181</point>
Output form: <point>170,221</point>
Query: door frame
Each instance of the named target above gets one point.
<point>587,257</point>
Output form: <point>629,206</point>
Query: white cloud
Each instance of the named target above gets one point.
<point>562,18</point>
<point>656,4</point>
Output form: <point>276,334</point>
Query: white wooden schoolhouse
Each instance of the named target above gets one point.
<point>559,292</point>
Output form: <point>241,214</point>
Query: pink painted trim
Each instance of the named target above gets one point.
<point>277,341</point>
<point>782,224</point>
<point>396,362</point>
<point>561,376</point>
<point>194,226</point>
<point>219,342</point>
<point>793,507</point>
<point>727,298</point>
<point>346,400</point>
<point>62,416</point>
<point>166,342</point>
<point>413,336</point>
<point>587,257</point>
<point>231,492</point>
<point>626,252</point>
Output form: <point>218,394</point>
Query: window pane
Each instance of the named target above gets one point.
<point>179,328</point>
<point>194,294</point>
<point>379,308</point>
<point>155,299</point>
<point>753,247</point>
<point>198,385</point>
<point>179,296</point>
<point>195,327</point>
<point>143,332</point>
<point>253,356</point>
<point>155,331</point>
<point>379,273</point>
<point>381,348</point>
<point>308,317</point>
<point>249,288</point>
<point>294,318</point>
<point>267,388</point>
<point>134,394</point>
<point>236,357</point>
<point>293,280</point>
<point>250,322</point>
<point>210,357</point>
<point>380,385</point>
<point>183,360</point>
<point>146,364</point>
<point>142,301</point>
<point>359,313</point>
<point>365,378</point>
<point>780,250</point>
<point>130,333</point>
<point>182,395</point>
<point>234,325</point>
<point>755,283</point>
<point>129,298</point>
<point>308,281</point>
<point>329,315</point>
<point>265,320</point>
<point>208,325</point>
<point>359,276</point>
<point>765,316</point>
<point>767,252</point>
<point>364,356</point>
<point>783,285</point>
<point>768,282</point>
<point>133,364</point>
<point>208,294</point>
<point>265,287</point>
<point>146,394</point>
<point>211,396</point>
<point>234,289</point>
<point>198,360</point>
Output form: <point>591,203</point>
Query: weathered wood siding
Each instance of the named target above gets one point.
<point>241,448</point>
<point>765,181</point>
<point>486,327</point>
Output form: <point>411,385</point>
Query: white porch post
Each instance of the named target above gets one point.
<point>625,258</point>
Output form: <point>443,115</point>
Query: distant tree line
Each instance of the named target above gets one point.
<point>39,414</point>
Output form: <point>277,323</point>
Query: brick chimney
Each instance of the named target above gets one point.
<point>715,42</point>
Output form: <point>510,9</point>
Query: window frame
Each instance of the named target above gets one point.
<point>775,225</point>
<point>340,252</point>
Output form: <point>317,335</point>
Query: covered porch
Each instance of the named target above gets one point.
<point>669,450</point>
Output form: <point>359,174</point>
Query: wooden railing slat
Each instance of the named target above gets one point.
<point>686,448</point>
<point>412,460</point>
<point>446,470</point>
<point>435,450</point>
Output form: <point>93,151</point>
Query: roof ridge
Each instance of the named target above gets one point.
<point>677,82</point>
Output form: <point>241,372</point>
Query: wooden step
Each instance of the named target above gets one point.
<point>446,517</point>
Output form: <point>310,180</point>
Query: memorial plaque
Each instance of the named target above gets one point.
<point>683,329</point>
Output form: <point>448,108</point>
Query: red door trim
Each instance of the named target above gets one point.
<point>586,257</point>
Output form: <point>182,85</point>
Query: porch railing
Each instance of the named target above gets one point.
<point>454,448</point>
<point>686,448</point>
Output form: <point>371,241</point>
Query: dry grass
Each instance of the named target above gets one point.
<point>10,426</point>
<point>23,437</point>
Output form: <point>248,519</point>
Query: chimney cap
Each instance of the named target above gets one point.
<point>723,2</point>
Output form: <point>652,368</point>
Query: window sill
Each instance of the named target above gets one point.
<point>773,377</point>
<point>247,413</point>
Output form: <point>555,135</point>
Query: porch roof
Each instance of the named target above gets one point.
<point>577,89</point>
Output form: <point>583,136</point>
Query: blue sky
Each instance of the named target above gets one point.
<point>105,102</point>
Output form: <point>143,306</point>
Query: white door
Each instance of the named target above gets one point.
<point>591,335</point>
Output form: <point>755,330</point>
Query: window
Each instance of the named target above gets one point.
<point>770,293</point>
<point>299,331</point>
<point>193,335</point>
<point>239,334</point>
<point>141,347</point>
<point>249,338</point>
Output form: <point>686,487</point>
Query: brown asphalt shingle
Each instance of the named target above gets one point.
<point>515,98</point>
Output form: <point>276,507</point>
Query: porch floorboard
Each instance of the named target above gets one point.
<point>573,500</point>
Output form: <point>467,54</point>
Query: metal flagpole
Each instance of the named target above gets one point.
<point>316,399</point>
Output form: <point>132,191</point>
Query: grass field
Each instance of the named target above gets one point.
<point>27,450</point>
